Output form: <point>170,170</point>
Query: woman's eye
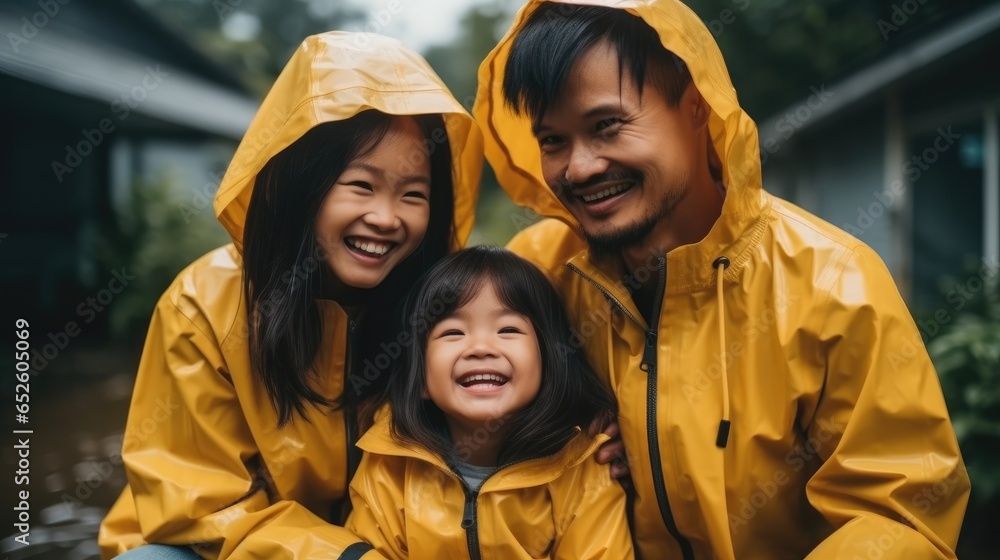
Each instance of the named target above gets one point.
<point>416,194</point>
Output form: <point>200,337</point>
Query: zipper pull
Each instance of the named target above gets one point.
<point>649,353</point>
<point>469,518</point>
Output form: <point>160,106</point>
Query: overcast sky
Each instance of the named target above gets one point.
<point>418,23</point>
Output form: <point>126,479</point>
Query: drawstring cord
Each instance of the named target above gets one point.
<point>722,439</point>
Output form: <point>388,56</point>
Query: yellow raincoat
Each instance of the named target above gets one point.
<point>409,504</point>
<point>841,445</point>
<point>205,460</point>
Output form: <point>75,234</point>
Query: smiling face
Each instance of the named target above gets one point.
<point>377,212</point>
<point>483,363</point>
<point>621,163</point>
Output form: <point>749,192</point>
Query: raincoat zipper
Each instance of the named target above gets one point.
<point>350,417</point>
<point>649,365</point>
<point>469,522</point>
<point>470,517</point>
<point>607,294</point>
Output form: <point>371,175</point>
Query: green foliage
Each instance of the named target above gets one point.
<point>158,234</point>
<point>254,37</point>
<point>967,355</point>
<point>777,49</point>
<point>497,218</point>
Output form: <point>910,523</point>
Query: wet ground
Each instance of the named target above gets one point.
<point>78,411</point>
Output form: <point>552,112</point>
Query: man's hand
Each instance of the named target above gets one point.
<point>613,452</point>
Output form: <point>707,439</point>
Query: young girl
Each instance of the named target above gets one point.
<point>358,173</point>
<point>482,454</point>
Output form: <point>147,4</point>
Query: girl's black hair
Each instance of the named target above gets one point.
<point>285,270</point>
<point>557,34</point>
<point>571,394</point>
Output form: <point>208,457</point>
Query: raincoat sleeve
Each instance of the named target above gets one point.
<point>192,464</point>
<point>376,502</point>
<point>892,482</point>
<point>594,523</point>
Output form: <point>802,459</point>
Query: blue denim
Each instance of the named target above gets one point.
<point>160,552</point>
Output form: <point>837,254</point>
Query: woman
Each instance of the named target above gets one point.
<point>359,172</point>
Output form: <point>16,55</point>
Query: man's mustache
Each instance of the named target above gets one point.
<point>564,187</point>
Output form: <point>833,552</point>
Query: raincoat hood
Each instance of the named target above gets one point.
<point>332,77</point>
<point>513,152</point>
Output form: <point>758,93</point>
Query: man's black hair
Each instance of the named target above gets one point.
<point>555,36</point>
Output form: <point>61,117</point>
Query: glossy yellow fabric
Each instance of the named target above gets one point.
<point>409,504</point>
<point>205,460</point>
<point>841,445</point>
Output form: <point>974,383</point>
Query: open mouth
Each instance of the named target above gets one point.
<point>369,247</point>
<point>483,381</point>
<point>606,193</point>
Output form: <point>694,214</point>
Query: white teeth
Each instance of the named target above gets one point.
<point>370,246</point>
<point>605,193</point>
<point>483,377</point>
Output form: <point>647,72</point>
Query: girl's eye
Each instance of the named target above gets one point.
<point>549,143</point>
<point>361,185</point>
<point>510,330</point>
<point>451,332</point>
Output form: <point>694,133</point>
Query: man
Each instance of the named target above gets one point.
<point>775,399</point>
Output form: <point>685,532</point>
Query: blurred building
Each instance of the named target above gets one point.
<point>904,153</point>
<point>96,97</point>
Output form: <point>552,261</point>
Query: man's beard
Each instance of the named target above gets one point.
<point>614,242</point>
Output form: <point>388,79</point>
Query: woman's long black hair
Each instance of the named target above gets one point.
<point>285,269</point>
<point>570,395</point>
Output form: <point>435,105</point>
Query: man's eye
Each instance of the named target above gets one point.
<point>601,125</point>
